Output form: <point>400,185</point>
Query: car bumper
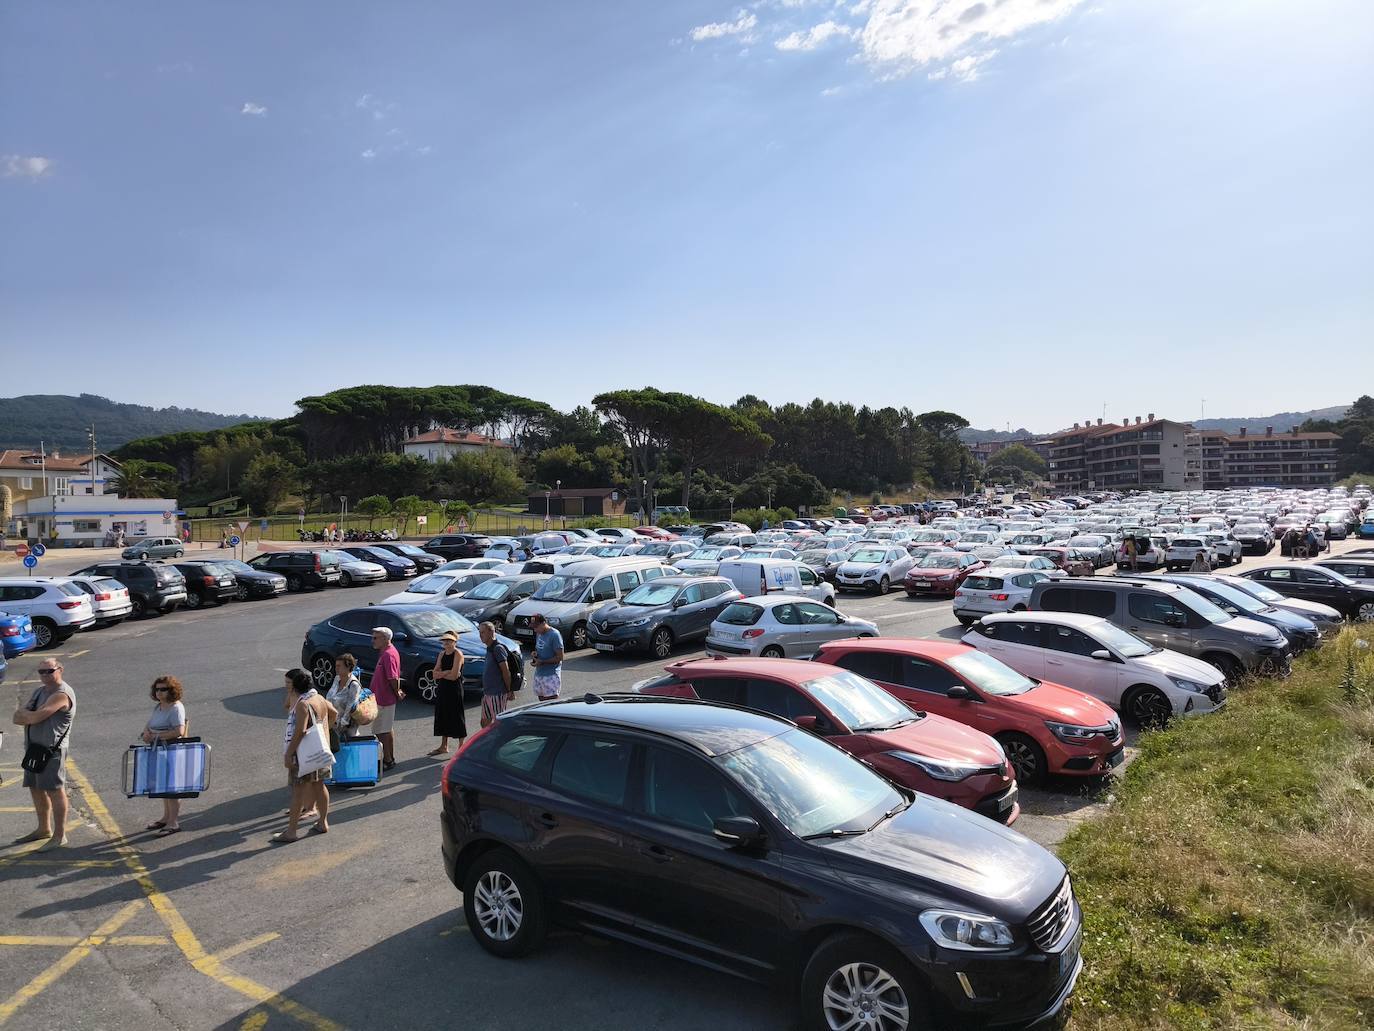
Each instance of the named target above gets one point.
<point>161,601</point>
<point>728,648</point>
<point>449,849</point>
<point>114,613</point>
<point>917,588</point>
<point>13,647</point>
<point>619,639</point>
<point>866,584</point>
<point>1090,761</point>
<point>266,590</point>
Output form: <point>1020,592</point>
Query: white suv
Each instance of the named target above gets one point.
<point>873,567</point>
<point>1229,550</point>
<point>1146,684</point>
<point>56,608</point>
<point>1183,550</point>
<point>109,598</point>
<point>995,590</point>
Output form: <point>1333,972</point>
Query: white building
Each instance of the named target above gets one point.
<point>83,520</point>
<point>443,443</point>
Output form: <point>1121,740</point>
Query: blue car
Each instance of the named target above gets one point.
<point>16,636</point>
<point>415,631</point>
<point>1367,527</point>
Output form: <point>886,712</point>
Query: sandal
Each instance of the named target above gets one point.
<point>156,825</point>
<point>33,836</point>
<point>317,829</point>
<point>168,830</point>
<point>438,751</point>
<point>281,838</point>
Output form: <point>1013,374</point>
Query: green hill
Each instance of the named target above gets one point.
<point>61,420</point>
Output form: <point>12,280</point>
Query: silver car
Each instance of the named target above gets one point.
<point>354,571</point>
<point>874,568</point>
<point>781,626</point>
<point>995,590</point>
<point>705,561</point>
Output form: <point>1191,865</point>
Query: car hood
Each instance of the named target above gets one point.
<point>467,606</point>
<point>1306,608</point>
<point>408,598</point>
<point>935,846</point>
<point>1246,625</point>
<point>931,574</point>
<point>360,566</point>
<point>1062,704</point>
<point>1176,664</point>
<point>615,613</point>
<point>858,567</point>
<point>940,738</point>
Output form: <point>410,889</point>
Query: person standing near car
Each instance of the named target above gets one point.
<point>1132,557</point>
<point>496,688</point>
<point>386,686</point>
<point>47,721</point>
<point>167,723</point>
<point>1200,564</point>
<point>448,699</point>
<point>548,658</point>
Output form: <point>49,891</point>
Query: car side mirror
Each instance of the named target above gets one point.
<point>1102,655</point>
<point>401,637</point>
<point>958,691</point>
<point>811,724</point>
<point>679,602</point>
<point>738,831</point>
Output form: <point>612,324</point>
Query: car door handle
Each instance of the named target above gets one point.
<point>657,853</point>
<point>1053,662</point>
<point>546,820</point>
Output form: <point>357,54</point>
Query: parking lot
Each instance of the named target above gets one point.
<point>359,928</point>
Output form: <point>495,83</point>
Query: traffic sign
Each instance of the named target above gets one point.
<point>30,561</point>
<point>21,550</point>
<point>421,520</point>
<point>234,541</point>
<point>39,550</point>
<point>167,517</point>
<point>243,526</point>
<point>462,523</point>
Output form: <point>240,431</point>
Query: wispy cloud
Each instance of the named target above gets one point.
<point>378,109</point>
<point>814,36</point>
<point>20,166</point>
<point>368,154</point>
<point>388,142</point>
<point>743,25</point>
<point>256,110</point>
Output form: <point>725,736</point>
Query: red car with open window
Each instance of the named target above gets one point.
<point>916,749</point>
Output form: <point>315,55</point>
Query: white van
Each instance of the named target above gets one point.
<point>755,576</point>
<point>568,597</point>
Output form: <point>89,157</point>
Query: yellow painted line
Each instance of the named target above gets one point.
<point>254,1022</point>
<point>16,808</point>
<point>69,941</point>
<point>181,932</point>
<point>89,864</point>
<point>242,947</point>
<point>77,655</point>
<point>53,974</point>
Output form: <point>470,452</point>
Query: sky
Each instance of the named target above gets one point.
<point>1031,212</point>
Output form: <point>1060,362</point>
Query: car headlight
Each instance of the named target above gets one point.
<point>966,931</point>
<point>940,769</point>
<point>1072,732</point>
<point>1275,638</point>
<point>1189,685</point>
<point>638,622</point>
<point>553,620</point>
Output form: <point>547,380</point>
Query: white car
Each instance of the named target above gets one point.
<point>436,588</point>
<point>109,598</point>
<point>995,590</point>
<point>56,608</point>
<point>1148,685</point>
<point>1228,550</point>
<point>705,561</point>
<point>466,564</point>
<point>874,568</point>
<point>776,626</point>
<point>1182,550</point>
<point>617,535</point>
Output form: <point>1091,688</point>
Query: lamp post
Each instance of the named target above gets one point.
<point>546,509</point>
<point>343,512</point>
<point>643,499</point>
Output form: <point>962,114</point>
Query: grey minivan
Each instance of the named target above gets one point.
<point>154,547</point>
<point>1168,615</point>
<point>568,597</point>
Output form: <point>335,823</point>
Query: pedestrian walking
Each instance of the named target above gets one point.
<point>344,694</point>
<point>386,686</point>
<point>47,721</point>
<point>449,718</point>
<point>548,658</point>
<point>496,687</point>
<point>223,538</point>
<point>1200,564</point>
<point>308,791</point>
<point>167,723</point>
<point>1312,542</point>
<point>1132,556</point>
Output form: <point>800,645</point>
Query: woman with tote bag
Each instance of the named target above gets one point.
<point>306,753</point>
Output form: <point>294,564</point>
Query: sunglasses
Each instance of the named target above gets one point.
<point>161,689</point>
<point>49,672</point>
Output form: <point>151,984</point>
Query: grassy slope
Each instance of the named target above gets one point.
<point>1232,882</point>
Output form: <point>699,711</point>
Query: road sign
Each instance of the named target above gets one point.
<point>30,561</point>
<point>21,550</point>
<point>462,523</point>
<point>421,520</point>
<point>167,517</point>
<point>243,526</point>
<point>39,549</point>
<point>234,541</point>
<point>262,525</point>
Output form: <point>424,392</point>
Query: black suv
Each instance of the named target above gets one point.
<point>424,561</point>
<point>302,569</point>
<point>1350,598</point>
<point>739,841</point>
<point>153,587</point>
<point>207,583</point>
<point>458,545</point>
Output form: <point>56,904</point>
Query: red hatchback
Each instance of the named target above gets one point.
<point>940,572</point>
<point>1045,728</point>
<point>917,750</point>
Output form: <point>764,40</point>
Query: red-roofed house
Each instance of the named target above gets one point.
<point>443,443</point>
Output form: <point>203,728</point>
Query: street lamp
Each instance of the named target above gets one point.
<point>643,500</point>
<point>546,510</point>
<point>563,512</point>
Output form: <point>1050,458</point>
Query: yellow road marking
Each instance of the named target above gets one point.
<point>242,947</point>
<point>49,977</point>
<point>293,871</point>
<point>75,863</point>
<point>254,1022</point>
<point>16,808</point>
<point>68,941</point>
<point>77,655</point>
<point>185,939</point>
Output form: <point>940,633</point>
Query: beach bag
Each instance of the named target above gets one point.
<point>313,754</point>
<point>366,709</point>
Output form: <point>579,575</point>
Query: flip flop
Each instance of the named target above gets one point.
<point>53,843</point>
<point>33,836</point>
<point>168,830</point>
<point>156,825</point>
<point>280,838</point>
<point>438,751</point>
<point>317,829</point>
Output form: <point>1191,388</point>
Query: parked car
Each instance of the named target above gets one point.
<point>438,588</point>
<point>874,568</point>
<point>706,561</point>
<point>457,545</point>
<point>753,577</point>
<point>781,626</point>
<point>1068,560</point>
<point>1302,633</point>
<point>616,534</point>
<point>354,571</point>
<point>424,561</point>
<point>1148,685</point>
<point>397,567</point>
<point>1182,551</point>
<point>1044,727</point>
<point>733,817</point>
<point>416,632</point>
<point>314,569</point>
<point>1100,547</point>
<point>824,562</point>
<point>1149,552</point>
<point>995,590</point>
<point>56,609</point>
<point>1366,530</point>
<point>940,572</point>
<point>153,547</point>
<point>1226,545</point>
<point>658,615</point>
<point>109,598</point>
<point>207,583</point>
<point>1327,619</point>
<point>471,563</point>
<point>16,634</point>
<point>253,583</point>
<point>491,600</point>
<point>668,551</point>
<point>1032,562</point>
<point>1255,538</point>
<point>153,587</point>
<point>568,598</point>
<point>1352,599</point>
<point>1357,568</point>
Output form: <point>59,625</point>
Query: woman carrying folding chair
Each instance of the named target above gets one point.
<point>167,723</point>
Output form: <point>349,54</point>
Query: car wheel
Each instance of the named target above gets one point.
<point>579,635</point>
<point>241,593</point>
<point>322,671</point>
<point>293,583</point>
<point>965,620</point>
<point>884,585</point>
<point>167,610</point>
<point>498,623</point>
<point>426,686</point>
<point>178,553</point>
<point>854,981</point>
<point>1018,607</point>
<point>504,905</point>
<point>194,600</point>
<point>1147,707</point>
<point>771,652</point>
<point>1230,667</point>
<point>1365,612</point>
<point>345,579</point>
<point>142,556</point>
<point>140,609</point>
<point>661,643</point>
<point>1026,757</point>
<point>44,634</point>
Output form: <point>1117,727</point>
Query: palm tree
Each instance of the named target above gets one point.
<point>140,479</point>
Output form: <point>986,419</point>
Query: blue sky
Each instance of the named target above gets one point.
<point>1020,210</point>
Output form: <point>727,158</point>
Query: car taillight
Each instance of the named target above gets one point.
<point>209,581</point>
<point>68,604</point>
<point>9,631</point>
<point>1000,597</point>
<point>752,633</point>
<point>104,597</point>
<point>317,563</point>
<point>444,788</point>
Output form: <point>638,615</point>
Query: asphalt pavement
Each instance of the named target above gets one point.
<point>216,927</point>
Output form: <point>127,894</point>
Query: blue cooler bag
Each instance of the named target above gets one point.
<point>358,763</point>
<point>170,769</point>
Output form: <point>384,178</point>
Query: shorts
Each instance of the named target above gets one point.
<point>491,705</point>
<point>53,777</point>
<point>386,716</point>
<point>312,778</point>
<point>547,685</point>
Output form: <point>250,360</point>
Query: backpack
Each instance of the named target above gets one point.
<point>515,662</point>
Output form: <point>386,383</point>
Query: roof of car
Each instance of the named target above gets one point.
<point>903,645</point>
<point>1078,619</point>
<point>712,729</point>
<point>794,671</point>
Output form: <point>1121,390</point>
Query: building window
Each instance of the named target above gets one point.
<point>61,485</point>
<point>86,525</point>
<point>26,483</point>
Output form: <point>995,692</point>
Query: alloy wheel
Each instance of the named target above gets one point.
<point>193,600</point>
<point>1365,612</point>
<point>662,644</point>
<point>241,592</point>
<point>579,635</point>
<point>427,685</point>
<point>499,906</point>
<point>43,635</point>
<point>322,671</point>
<point>1149,708</point>
<point>1023,760</point>
<point>865,997</point>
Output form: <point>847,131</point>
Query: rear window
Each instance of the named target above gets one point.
<point>107,584</point>
<point>1078,599</point>
<point>167,575</point>
<point>984,583</point>
<point>71,589</point>
<point>740,614</point>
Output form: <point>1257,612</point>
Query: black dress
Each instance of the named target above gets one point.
<point>448,704</point>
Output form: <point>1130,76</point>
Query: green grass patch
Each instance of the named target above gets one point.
<point>1231,882</point>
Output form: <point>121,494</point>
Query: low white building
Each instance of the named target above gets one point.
<point>442,444</point>
<point>84,520</point>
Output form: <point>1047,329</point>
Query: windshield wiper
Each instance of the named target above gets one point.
<point>899,807</point>
<point>835,832</point>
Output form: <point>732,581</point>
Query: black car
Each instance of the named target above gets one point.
<point>254,583</point>
<point>153,587</point>
<point>661,613</point>
<point>207,583</point>
<point>458,545</point>
<point>397,566</point>
<point>741,842</point>
<point>1316,583</point>
<point>424,561</point>
<point>1301,632</point>
<point>301,569</point>
<point>490,600</point>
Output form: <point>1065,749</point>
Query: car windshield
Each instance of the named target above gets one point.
<point>1340,578</point>
<point>652,593</point>
<point>1236,597</point>
<point>939,560</point>
<point>812,557</point>
<point>657,548</point>
<point>811,787</point>
<point>858,703</point>
<point>408,549</point>
<point>562,588</point>
<point>1203,607</point>
<point>989,675</point>
<point>239,567</point>
<point>1262,592</point>
<point>1124,643</point>
<point>218,569</point>
<point>430,585</point>
<point>868,556</point>
<point>489,590</point>
<point>705,554</point>
<point>433,623</point>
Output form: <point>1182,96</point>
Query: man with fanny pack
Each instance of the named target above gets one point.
<point>47,720</point>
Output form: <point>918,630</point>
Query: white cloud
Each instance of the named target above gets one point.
<point>18,166</point>
<point>814,36</point>
<point>376,108</point>
<point>831,91</point>
<point>250,108</point>
<point>921,32</point>
<point>741,26</point>
<point>369,154</point>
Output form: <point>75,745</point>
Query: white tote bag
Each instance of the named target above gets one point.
<point>313,752</point>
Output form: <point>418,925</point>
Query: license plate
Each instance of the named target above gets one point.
<point>604,647</point>
<point>1007,801</point>
<point>920,584</point>
<point>524,633</point>
<point>1116,758</point>
<point>1069,957</point>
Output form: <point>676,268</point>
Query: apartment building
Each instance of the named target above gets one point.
<point>1289,459</point>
